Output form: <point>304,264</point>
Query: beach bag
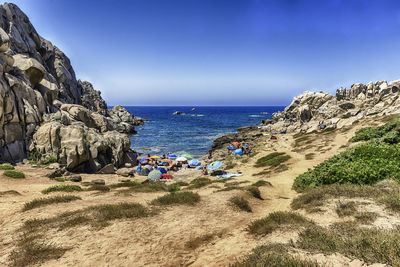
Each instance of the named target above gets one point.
<point>166,176</point>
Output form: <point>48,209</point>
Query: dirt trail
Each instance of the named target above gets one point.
<point>160,240</point>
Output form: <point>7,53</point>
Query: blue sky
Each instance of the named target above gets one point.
<point>215,52</point>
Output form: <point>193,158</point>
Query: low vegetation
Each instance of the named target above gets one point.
<point>200,240</point>
<point>369,245</point>
<point>313,198</point>
<point>261,183</point>
<point>346,208</point>
<point>179,198</point>
<point>36,203</point>
<point>254,191</point>
<point>366,163</point>
<point>146,187</point>
<point>14,174</point>
<point>6,166</point>
<point>240,203</point>
<point>62,188</point>
<point>99,187</point>
<point>273,255</point>
<point>277,220</point>
<point>272,160</point>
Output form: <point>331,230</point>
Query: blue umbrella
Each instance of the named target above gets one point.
<point>162,170</point>
<point>231,148</point>
<point>154,175</point>
<point>172,156</point>
<point>142,160</point>
<point>214,165</point>
<point>238,152</point>
<point>194,162</point>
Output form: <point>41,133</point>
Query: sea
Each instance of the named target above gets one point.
<point>192,133</point>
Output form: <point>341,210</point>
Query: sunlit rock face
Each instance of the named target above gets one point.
<point>46,112</point>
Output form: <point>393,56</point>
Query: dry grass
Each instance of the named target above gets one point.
<point>273,255</point>
<point>240,203</point>
<point>179,198</point>
<point>32,248</point>
<point>261,183</point>
<point>40,202</point>
<point>62,188</point>
<point>309,156</point>
<point>272,160</point>
<point>197,242</point>
<point>278,220</point>
<point>346,208</point>
<point>370,245</point>
<point>255,192</point>
<point>99,187</point>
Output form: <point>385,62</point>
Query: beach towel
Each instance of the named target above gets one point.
<point>229,175</point>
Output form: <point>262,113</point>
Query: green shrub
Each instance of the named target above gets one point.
<point>14,174</point>
<point>99,187</point>
<point>6,166</point>
<point>173,188</point>
<point>255,192</point>
<point>62,188</point>
<point>217,172</point>
<point>389,133</point>
<point>363,164</point>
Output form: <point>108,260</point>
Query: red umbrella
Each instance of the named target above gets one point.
<point>237,144</point>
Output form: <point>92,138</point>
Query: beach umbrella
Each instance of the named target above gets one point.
<point>186,156</point>
<point>194,162</point>
<point>214,165</point>
<point>155,157</point>
<point>143,160</point>
<point>181,159</point>
<point>236,143</point>
<point>172,156</point>
<point>154,175</point>
<point>238,152</point>
<point>231,148</point>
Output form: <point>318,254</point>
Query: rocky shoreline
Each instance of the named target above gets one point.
<point>46,114</point>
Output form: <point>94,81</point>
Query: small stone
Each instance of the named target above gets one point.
<point>74,178</point>
<point>128,165</point>
<point>126,172</point>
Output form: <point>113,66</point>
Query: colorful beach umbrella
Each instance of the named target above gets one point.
<point>236,143</point>
<point>172,156</point>
<point>181,159</point>
<point>214,165</point>
<point>155,157</point>
<point>154,175</point>
<point>143,160</point>
<point>162,170</point>
<point>194,163</point>
<point>186,156</point>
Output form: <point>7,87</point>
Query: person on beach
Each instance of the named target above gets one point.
<point>210,154</point>
<point>204,171</point>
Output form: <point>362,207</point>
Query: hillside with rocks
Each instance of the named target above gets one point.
<point>46,113</point>
<point>312,111</point>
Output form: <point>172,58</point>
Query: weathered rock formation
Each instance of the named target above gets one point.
<point>46,112</point>
<point>312,111</point>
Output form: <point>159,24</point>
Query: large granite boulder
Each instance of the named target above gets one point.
<point>45,111</point>
<point>77,141</point>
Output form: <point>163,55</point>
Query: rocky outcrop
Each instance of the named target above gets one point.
<point>46,112</point>
<point>124,119</point>
<point>81,140</point>
<point>313,111</point>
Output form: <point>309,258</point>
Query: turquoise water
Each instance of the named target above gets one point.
<point>192,133</point>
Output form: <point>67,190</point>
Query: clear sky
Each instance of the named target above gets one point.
<point>221,52</point>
